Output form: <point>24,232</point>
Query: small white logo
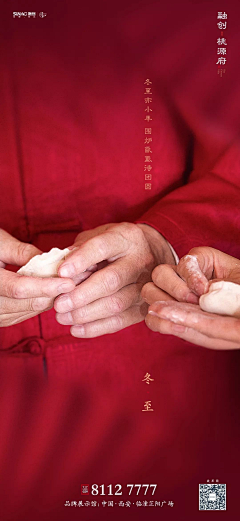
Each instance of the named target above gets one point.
<point>29,14</point>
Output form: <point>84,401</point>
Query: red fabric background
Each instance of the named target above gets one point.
<point>72,156</point>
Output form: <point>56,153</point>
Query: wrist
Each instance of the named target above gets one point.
<point>158,244</point>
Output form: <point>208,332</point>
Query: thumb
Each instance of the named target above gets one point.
<point>204,263</point>
<point>13,251</point>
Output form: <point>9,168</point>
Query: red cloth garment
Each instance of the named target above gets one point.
<point>56,437</point>
<point>72,158</point>
<point>72,143</point>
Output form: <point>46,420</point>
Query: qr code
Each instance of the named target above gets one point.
<point>212,496</point>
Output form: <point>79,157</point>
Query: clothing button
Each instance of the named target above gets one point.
<point>34,347</point>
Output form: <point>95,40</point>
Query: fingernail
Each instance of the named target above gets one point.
<point>64,318</point>
<point>68,270</point>
<point>64,304</point>
<point>150,312</point>
<point>66,286</point>
<point>78,331</point>
<point>192,298</point>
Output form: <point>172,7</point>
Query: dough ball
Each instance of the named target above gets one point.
<point>223,298</point>
<point>44,265</point>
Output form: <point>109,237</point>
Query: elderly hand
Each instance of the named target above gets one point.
<point>173,297</point>
<point>24,297</point>
<point>109,300</point>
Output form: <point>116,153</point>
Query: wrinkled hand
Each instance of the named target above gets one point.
<point>24,297</point>
<point>124,256</point>
<point>173,297</point>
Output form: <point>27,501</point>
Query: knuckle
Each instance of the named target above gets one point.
<point>100,246</point>
<point>20,247</point>
<point>17,290</point>
<point>177,285</point>
<point>179,291</point>
<point>112,280</point>
<point>39,304</point>
<point>80,313</point>
<point>128,226</point>
<point>136,232</point>
<point>116,323</point>
<point>194,251</point>
<point>184,267</point>
<point>197,250</point>
<point>130,230</point>
<point>5,320</point>
<point>33,304</point>
<point>185,258</point>
<point>116,304</point>
<point>24,250</point>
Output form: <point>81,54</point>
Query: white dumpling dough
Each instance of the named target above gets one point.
<point>44,265</point>
<point>223,298</point>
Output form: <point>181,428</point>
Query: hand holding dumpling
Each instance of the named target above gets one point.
<point>23,297</point>
<point>174,299</point>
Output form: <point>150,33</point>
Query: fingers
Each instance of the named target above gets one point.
<point>88,234</point>
<point>15,318</point>
<point>166,278</point>
<point>165,327</point>
<point>190,316</point>
<point>13,251</point>
<point>24,297</point>
<point>13,285</point>
<point>101,284</point>
<point>9,305</point>
<point>190,279</point>
<point>190,271</point>
<point>84,276</point>
<point>110,325</point>
<point>104,307</point>
<point>150,293</point>
<point>102,247</point>
<point>203,264</point>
